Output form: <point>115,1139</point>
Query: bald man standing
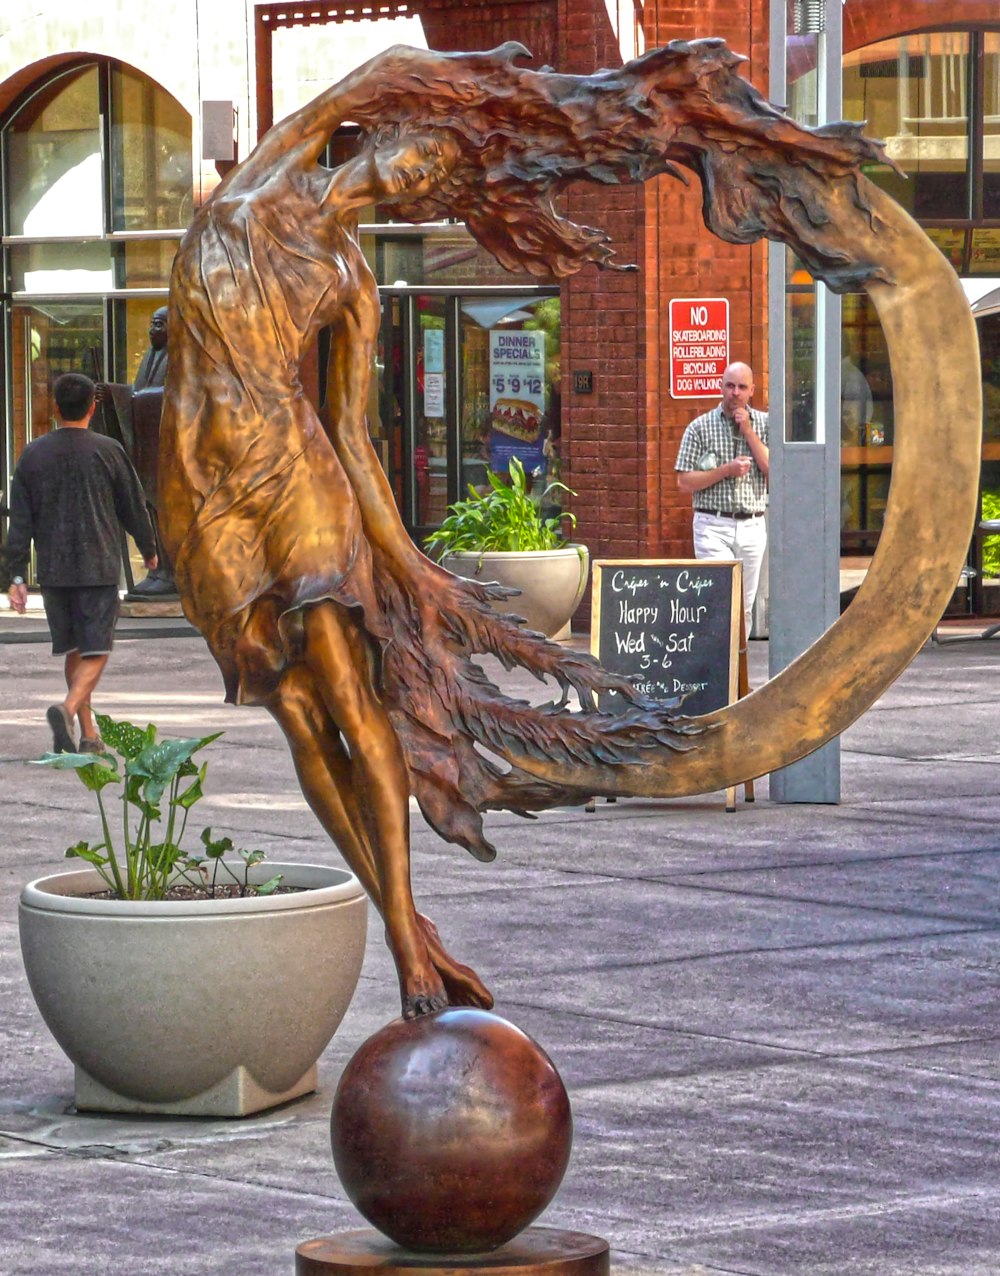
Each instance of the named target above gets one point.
<point>723,465</point>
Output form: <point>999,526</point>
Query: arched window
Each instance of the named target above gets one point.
<point>97,166</point>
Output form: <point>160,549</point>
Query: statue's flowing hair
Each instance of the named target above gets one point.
<point>526,135</point>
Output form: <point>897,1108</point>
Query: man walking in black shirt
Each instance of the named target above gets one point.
<point>71,490</point>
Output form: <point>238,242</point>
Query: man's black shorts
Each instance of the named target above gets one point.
<point>81,618</point>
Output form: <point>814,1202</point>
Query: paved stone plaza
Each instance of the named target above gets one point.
<point>779,1028</point>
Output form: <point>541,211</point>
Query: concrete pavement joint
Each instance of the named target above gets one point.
<point>777,898</point>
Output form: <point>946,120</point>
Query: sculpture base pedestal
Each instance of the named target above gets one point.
<point>538,1251</point>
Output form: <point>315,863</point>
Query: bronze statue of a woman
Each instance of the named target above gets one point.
<point>289,552</point>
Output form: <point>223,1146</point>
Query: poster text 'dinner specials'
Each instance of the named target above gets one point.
<point>517,398</point>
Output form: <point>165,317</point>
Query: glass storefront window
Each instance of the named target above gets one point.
<point>147,262</point>
<point>510,399</point>
<point>54,160</point>
<point>991,124</point>
<point>447,256</point>
<point>985,256</point>
<point>913,91</point>
<point>48,340</point>
<point>800,352</point>
<point>463,381</point>
<point>307,59</point>
<point>866,410</point>
<point>80,267</point>
<point>950,242</point>
<point>989,348</point>
<point>151,173</point>
<point>866,422</point>
<point>94,150</point>
<point>989,351</point>
<point>130,319</point>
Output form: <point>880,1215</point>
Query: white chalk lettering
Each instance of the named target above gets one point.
<point>622,582</point>
<point>690,582</point>
<point>631,615</point>
<point>687,613</point>
<point>629,644</point>
<point>679,642</point>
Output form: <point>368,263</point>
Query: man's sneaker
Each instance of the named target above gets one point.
<point>91,744</point>
<point>62,729</point>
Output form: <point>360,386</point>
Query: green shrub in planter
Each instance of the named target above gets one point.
<point>505,519</point>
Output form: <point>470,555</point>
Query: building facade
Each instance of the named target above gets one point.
<point>116,123</point>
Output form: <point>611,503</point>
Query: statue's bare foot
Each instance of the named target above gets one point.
<point>416,1004</point>
<point>463,985</point>
<point>422,990</point>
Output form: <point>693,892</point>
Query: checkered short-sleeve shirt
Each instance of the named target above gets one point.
<point>713,434</point>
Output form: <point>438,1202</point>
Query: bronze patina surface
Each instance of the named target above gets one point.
<point>291,557</point>
<point>451,1133</point>
<point>540,1251</point>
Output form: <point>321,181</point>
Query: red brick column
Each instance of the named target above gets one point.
<point>682,259</point>
<point>604,434</point>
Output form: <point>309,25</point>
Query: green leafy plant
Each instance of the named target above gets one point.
<point>506,518</point>
<point>991,544</point>
<point>161,785</point>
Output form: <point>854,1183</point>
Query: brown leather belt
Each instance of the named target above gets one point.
<point>724,514</point>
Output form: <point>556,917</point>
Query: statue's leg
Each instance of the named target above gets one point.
<point>324,772</point>
<point>338,656</point>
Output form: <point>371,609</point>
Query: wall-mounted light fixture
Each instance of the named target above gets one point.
<point>218,130</point>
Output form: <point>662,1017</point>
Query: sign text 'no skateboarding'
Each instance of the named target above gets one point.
<point>699,346</point>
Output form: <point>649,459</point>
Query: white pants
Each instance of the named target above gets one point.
<point>742,538</point>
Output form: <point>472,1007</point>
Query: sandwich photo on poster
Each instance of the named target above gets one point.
<point>517,399</point>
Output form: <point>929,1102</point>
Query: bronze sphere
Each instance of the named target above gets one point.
<point>451,1132</point>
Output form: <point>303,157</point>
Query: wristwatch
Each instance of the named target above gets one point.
<point>17,580</point>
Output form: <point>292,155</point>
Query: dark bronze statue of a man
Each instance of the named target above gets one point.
<point>138,408</point>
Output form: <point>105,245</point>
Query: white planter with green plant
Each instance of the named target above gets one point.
<point>500,535</point>
<point>185,983</point>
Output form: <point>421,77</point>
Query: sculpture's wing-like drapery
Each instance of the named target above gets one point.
<point>270,511</point>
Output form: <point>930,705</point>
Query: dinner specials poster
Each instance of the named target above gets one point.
<point>517,399</point>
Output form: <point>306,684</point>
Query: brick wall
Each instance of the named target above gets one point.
<point>605,435</point>
<point>620,443</point>
<point>682,259</point>
<point>468,26</point>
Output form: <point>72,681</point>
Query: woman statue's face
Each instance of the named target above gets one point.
<point>412,164</point>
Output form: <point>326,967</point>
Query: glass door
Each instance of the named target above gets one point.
<point>510,377</point>
<point>387,399</point>
<point>432,440</point>
<point>462,383</point>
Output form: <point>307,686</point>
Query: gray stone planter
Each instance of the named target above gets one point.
<point>202,1007</point>
<point>551,581</point>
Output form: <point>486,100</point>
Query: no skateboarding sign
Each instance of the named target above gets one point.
<point>699,346</point>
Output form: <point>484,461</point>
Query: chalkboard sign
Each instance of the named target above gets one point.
<point>672,626</point>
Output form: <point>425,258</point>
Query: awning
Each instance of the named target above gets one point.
<point>988,305</point>
<point>983,295</point>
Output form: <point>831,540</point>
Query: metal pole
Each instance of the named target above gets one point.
<point>804,597</point>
